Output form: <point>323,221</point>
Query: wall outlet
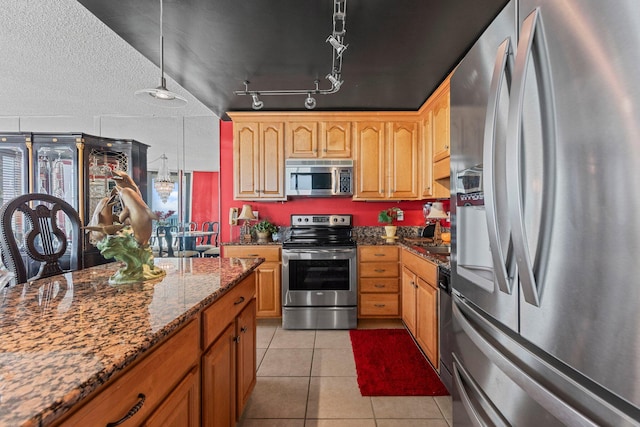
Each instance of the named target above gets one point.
<point>400,215</point>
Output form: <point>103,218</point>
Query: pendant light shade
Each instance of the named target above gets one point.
<point>160,96</point>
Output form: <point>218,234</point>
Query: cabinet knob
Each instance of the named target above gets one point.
<point>236,339</point>
<point>446,147</point>
<point>244,329</point>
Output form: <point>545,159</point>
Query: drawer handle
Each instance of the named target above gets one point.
<point>243,329</point>
<point>254,255</point>
<point>131,412</point>
<point>379,285</point>
<point>378,254</point>
<point>236,339</point>
<point>380,270</point>
<point>380,305</point>
<point>240,301</point>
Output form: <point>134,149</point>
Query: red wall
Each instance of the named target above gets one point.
<point>364,213</point>
<point>204,197</point>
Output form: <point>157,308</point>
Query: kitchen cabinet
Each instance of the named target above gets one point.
<point>163,386</point>
<point>268,275</point>
<point>441,180</point>
<point>426,155</point>
<point>378,281</point>
<point>420,302</point>
<point>318,139</point>
<point>258,159</point>
<point>229,359</point>
<point>439,105</point>
<point>386,160</point>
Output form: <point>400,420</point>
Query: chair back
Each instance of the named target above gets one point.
<point>165,235</point>
<point>42,228</point>
<point>212,226</point>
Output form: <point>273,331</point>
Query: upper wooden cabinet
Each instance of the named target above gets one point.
<point>439,105</point>
<point>426,156</point>
<point>386,160</point>
<point>258,157</point>
<point>318,139</point>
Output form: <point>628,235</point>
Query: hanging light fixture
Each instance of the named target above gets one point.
<point>161,96</point>
<point>163,184</point>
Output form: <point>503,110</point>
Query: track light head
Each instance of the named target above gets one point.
<point>334,81</point>
<point>257,104</point>
<point>310,102</point>
<point>335,43</point>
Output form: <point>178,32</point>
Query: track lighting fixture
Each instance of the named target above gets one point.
<point>161,96</point>
<point>337,43</point>
<point>339,47</point>
<point>257,104</point>
<point>310,102</point>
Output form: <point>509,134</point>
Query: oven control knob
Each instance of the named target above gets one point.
<point>306,220</point>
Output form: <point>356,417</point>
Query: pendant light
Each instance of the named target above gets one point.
<point>161,96</point>
<point>163,183</point>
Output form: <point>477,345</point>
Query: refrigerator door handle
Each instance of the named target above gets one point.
<point>461,378</point>
<point>501,69</point>
<point>532,43</point>
<point>545,398</point>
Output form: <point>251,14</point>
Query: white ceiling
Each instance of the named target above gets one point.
<point>57,59</point>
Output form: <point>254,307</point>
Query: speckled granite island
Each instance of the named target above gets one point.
<point>66,338</point>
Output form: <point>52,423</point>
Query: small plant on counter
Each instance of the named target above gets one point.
<point>387,216</point>
<point>265,226</point>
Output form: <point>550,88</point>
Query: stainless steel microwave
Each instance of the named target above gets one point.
<point>319,178</point>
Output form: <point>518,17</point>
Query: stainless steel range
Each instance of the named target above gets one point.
<point>319,280</point>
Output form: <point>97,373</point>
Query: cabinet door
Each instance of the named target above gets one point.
<point>271,161</point>
<point>426,156</point>
<point>182,407</point>
<point>370,161</point>
<point>441,124</point>
<point>302,140</point>
<point>427,320</point>
<point>246,355</point>
<point>219,381</point>
<point>409,299</point>
<point>335,140</point>
<point>268,291</point>
<point>403,170</point>
<point>246,160</point>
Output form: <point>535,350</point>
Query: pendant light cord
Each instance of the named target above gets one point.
<point>162,43</point>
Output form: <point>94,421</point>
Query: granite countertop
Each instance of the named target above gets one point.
<point>251,244</point>
<point>64,336</point>
<point>441,260</point>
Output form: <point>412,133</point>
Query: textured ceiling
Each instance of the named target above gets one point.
<point>399,50</point>
<point>60,60</point>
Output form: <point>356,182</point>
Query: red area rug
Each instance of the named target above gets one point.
<point>389,363</point>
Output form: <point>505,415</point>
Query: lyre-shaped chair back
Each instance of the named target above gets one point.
<point>47,235</point>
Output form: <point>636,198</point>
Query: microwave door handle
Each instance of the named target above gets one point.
<point>501,69</point>
<point>335,180</point>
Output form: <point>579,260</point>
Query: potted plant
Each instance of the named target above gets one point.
<point>264,229</point>
<point>387,216</point>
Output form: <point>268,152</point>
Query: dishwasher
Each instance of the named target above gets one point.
<point>446,328</point>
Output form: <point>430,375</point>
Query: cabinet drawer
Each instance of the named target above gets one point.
<point>154,377</point>
<point>421,267</point>
<point>377,253</point>
<point>379,269</point>
<point>217,316</point>
<point>379,285</point>
<point>379,305</point>
<point>269,253</point>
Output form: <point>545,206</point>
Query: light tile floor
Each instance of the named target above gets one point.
<point>308,379</point>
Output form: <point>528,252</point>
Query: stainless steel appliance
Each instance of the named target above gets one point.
<point>319,280</point>
<point>545,117</point>
<point>319,178</point>
<point>445,323</point>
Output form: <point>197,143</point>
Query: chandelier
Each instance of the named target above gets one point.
<point>163,183</point>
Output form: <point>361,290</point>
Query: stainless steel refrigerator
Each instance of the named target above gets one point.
<point>545,156</point>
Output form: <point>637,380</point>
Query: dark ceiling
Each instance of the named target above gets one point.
<point>398,50</point>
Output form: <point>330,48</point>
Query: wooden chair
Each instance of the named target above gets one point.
<point>42,232</point>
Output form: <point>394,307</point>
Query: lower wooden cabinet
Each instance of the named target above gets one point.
<point>182,382</point>
<point>420,302</point>
<point>378,282</point>
<point>269,276</point>
<point>229,371</point>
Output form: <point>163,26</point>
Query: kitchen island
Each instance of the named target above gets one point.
<point>66,338</point>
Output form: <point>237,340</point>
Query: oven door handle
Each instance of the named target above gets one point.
<point>318,251</point>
